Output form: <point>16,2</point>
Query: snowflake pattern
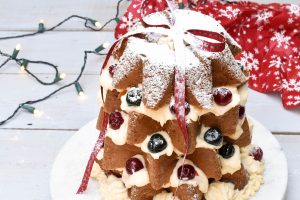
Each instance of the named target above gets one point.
<point>276,63</point>
<point>294,10</point>
<point>291,85</point>
<point>249,61</point>
<point>281,39</point>
<point>263,17</point>
<point>128,22</point>
<point>229,13</point>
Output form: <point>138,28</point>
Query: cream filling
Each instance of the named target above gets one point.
<point>163,114</point>
<point>167,151</point>
<point>139,178</point>
<point>119,136</point>
<point>238,131</point>
<point>232,164</point>
<point>243,91</point>
<point>225,191</point>
<point>201,143</point>
<point>106,79</point>
<point>200,179</point>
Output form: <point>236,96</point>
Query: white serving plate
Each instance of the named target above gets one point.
<point>70,164</point>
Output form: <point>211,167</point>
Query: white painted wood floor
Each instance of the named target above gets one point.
<point>29,145</point>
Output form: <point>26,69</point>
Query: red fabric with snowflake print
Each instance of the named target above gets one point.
<point>268,33</point>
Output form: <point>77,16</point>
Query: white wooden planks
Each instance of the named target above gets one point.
<point>66,110</point>
<point>25,15</point>
<point>26,161</point>
<point>64,49</point>
<point>290,145</point>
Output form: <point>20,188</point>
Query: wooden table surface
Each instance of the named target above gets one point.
<point>28,145</point>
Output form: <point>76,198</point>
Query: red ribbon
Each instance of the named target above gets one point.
<point>99,144</point>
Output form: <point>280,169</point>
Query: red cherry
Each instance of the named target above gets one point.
<point>115,120</point>
<point>133,165</point>
<point>186,172</point>
<point>257,153</point>
<point>242,112</point>
<point>111,69</point>
<point>222,96</point>
<point>186,107</point>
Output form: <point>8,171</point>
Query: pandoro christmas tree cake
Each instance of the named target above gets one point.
<point>172,115</point>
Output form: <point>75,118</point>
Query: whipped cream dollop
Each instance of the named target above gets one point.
<point>201,143</point>
<point>226,191</point>
<point>232,164</point>
<point>119,136</point>
<point>165,196</point>
<point>199,180</point>
<point>110,187</point>
<point>139,178</point>
<point>167,151</point>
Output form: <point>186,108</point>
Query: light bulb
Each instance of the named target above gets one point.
<point>37,113</point>
<point>62,76</point>
<point>106,45</point>
<point>18,47</point>
<point>98,24</point>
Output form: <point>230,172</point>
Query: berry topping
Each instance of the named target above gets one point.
<point>213,136</point>
<point>257,153</point>
<point>115,120</point>
<point>134,97</point>
<point>186,107</point>
<point>242,112</point>
<point>157,143</point>
<point>186,172</point>
<point>133,165</point>
<point>111,69</point>
<point>227,151</point>
<point>222,96</point>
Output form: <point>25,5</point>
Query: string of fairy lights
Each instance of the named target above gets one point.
<point>24,63</point>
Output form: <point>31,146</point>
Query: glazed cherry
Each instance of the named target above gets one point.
<point>222,96</point>
<point>157,143</point>
<point>227,151</point>
<point>186,107</point>
<point>134,97</point>
<point>213,136</point>
<point>242,112</point>
<point>257,153</point>
<point>115,120</point>
<point>111,69</point>
<point>186,172</point>
<point>133,165</point>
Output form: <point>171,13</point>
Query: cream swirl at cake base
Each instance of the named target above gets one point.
<point>112,188</point>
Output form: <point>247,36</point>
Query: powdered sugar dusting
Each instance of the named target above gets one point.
<point>159,60</point>
<point>157,78</point>
<point>199,80</point>
<point>127,63</point>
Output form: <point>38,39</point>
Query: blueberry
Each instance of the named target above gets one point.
<point>213,136</point>
<point>227,151</point>
<point>157,143</point>
<point>134,97</point>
